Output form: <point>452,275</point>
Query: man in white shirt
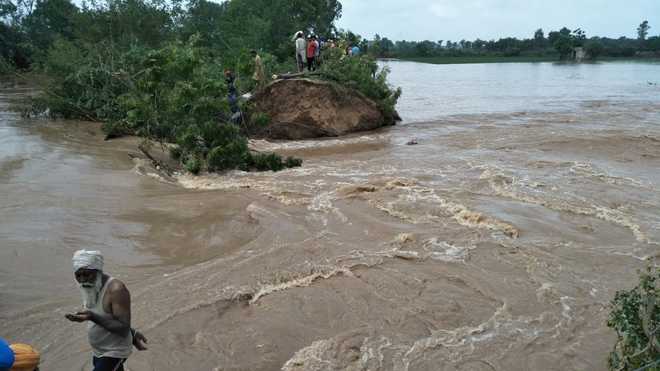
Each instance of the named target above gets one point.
<point>301,50</point>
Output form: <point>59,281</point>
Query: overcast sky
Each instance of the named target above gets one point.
<point>491,19</point>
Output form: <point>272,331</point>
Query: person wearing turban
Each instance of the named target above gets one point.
<point>107,311</point>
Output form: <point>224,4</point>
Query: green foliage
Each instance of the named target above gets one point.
<point>557,43</point>
<point>362,74</point>
<point>293,162</point>
<point>594,49</point>
<point>174,94</point>
<point>193,164</point>
<point>173,88</point>
<point>267,161</point>
<point>259,24</point>
<point>261,119</point>
<point>50,20</point>
<point>5,67</point>
<point>221,147</point>
<point>643,30</point>
<point>85,81</point>
<point>635,317</point>
<point>128,23</point>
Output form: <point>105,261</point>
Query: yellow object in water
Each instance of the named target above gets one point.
<point>27,358</point>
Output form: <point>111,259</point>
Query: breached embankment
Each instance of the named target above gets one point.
<point>304,108</point>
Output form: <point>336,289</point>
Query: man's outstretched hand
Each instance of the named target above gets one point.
<point>139,341</point>
<point>79,316</point>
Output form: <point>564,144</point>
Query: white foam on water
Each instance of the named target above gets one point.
<point>303,281</point>
<point>446,252</point>
<point>618,217</point>
<point>589,170</point>
<point>265,145</point>
<point>416,194</point>
<point>456,345</point>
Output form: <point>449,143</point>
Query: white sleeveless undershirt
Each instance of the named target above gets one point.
<point>105,343</point>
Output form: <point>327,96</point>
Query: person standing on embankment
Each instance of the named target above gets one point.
<point>259,71</point>
<point>301,52</point>
<point>312,45</point>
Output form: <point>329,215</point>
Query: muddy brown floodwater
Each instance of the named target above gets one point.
<point>496,243</point>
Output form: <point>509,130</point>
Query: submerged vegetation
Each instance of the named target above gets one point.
<point>636,318</point>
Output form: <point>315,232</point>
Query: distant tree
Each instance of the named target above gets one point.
<point>594,48</point>
<point>440,43</point>
<point>539,38</point>
<point>562,42</point>
<point>578,36</point>
<point>425,48</point>
<point>352,39</point>
<point>643,30</point>
<point>49,20</point>
<point>203,18</point>
<point>653,43</point>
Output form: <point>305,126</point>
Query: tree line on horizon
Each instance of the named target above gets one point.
<point>556,43</point>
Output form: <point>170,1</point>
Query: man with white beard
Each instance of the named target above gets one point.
<point>107,309</point>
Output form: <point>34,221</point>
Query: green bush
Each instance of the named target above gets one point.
<point>635,317</point>
<point>293,162</point>
<point>266,161</point>
<point>261,119</point>
<point>174,88</point>
<point>85,80</point>
<point>193,164</point>
<point>362,73</point>
<point>5,67</point>
<point>231,156</point>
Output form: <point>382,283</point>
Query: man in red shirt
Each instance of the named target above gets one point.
<point>312,46</point>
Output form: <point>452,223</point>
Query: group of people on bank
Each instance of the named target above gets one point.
<point>309,50</point>
<point>308,55</point>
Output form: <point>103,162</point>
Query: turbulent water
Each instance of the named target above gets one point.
<point>496,243</point>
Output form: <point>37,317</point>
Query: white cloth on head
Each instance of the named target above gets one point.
<point>87,259</point>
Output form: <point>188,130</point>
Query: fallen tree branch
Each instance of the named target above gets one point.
<point>157,164</point>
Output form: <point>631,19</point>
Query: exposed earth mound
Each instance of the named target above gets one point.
<point>304,108</point>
